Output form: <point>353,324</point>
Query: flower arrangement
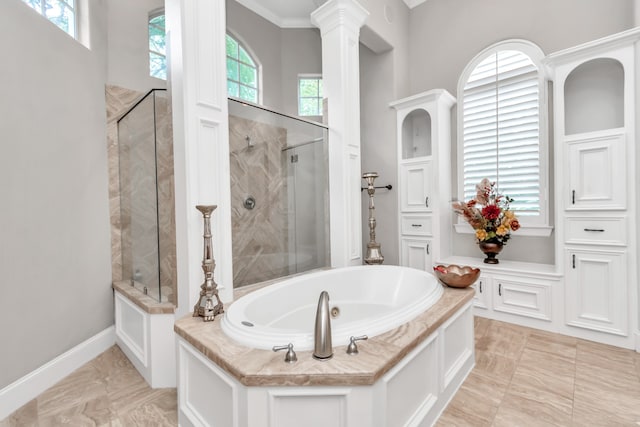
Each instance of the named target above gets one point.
<point>489,214</point>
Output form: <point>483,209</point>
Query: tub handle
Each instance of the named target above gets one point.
<point>352,348</point>
<point>290,356</point>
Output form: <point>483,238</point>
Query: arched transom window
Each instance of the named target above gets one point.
<point>242,72</point>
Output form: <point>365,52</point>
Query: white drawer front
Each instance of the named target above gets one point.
<point>417,225</point>
<point>524,297</point>
<point>597,230</point>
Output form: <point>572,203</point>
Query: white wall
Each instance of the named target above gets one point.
<point>55,289</point>
<point>446,35</point>
<point>128,44</point>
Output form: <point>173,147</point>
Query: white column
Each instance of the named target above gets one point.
<point>196,33</point>
<point>339,22</point>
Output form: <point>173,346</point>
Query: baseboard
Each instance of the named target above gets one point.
<point>34,383</point>
<point>637,335</point>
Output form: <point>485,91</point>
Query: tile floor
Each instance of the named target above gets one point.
<point>523,377</point>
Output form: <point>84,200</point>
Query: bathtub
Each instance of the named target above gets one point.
<point>368,300</point>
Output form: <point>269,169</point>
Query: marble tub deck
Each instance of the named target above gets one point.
<point>253,367</point>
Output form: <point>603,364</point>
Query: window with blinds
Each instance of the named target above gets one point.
<point>501,129</point>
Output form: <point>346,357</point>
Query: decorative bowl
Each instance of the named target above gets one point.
<point>456,276</point>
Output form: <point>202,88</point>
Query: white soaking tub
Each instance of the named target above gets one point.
<point>369,300</point>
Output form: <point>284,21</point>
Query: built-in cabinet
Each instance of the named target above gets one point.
<point>424,170</point>
<point>596,185</point>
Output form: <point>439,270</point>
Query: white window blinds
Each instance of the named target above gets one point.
<point>501,129</point>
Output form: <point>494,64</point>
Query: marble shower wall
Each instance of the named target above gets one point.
<point>260,235</point>
<point>142,191</point>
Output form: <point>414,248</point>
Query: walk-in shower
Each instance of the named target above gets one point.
<point>279,194</point>
<point>147,204</point>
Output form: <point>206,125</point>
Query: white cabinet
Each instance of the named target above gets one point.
<point>424,171</point>
<point>415,186</point>
<point>416,253</point>
<point>596,180</point>
<point>597,291</point>
<point>516,292</point>
<point>482,298</point>
<point>596,173</point>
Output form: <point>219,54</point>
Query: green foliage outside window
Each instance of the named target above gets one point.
<point>242,72</point>
<point>157,47</point>
<point>60,12</point>
<point>310,96</point>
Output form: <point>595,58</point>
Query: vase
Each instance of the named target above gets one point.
<point>490,250</point>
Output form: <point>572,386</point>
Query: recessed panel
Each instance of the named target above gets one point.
<point>307,411</point>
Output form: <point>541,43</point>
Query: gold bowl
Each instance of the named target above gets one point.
<point>456,276</point>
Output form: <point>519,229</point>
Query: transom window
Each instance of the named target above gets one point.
<point>242,72</point>
<point>60,12</point>
<point>157,46</point>
<point>501,127</point>
<point>310,95</point>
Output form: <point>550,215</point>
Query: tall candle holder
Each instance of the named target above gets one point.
<point>206,307</point>
<point>374,254</point>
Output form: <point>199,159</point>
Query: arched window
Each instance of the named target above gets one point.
<point>502,127</point>
<point>242,72</point>
<point>157,47</point>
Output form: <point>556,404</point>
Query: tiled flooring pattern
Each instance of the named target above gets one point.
<point>523,377</point>
<point>108,391</point>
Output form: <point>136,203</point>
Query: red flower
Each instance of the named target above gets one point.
<point>491,212</point>
<point>515,224</point>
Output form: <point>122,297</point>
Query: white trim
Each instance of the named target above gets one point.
<point>413,3</point>
<point>637,335</point>
<point>34,383</point>
<point>529,230</point>
<point>537,56</point>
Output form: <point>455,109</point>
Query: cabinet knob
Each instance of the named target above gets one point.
<point>426,201</point>
<point>416,225</point>
<point>599,230</point>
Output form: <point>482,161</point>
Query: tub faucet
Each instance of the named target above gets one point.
<point>323,349</point>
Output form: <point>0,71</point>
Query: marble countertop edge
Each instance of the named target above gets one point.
<point>378,355</point>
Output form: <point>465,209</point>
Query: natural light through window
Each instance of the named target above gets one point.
<point>242,72</point>
<point>60,12</point>
<point>157,48</point>
<point>502,131</point>
<point>310,96</point>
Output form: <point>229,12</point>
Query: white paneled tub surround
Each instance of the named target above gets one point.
<point>402,377</point>
<point>148,341</point>
<point>370,300</point>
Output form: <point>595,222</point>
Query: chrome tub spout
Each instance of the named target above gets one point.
<point>323,349</point>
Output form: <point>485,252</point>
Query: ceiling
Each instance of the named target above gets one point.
<point>293,13</point>
<point>284,13</point>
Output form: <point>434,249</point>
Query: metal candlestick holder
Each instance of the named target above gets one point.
<point>374,255</point>
<point>209,304</point>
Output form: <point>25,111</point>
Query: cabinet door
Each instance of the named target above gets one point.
<point>596,173</point>
<point>482,298</point>
<point>524,296</point>
<point>416,253</point>
<point>596,291</point>
<point>415,187</point>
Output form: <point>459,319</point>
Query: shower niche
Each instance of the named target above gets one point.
<point>279,194</point>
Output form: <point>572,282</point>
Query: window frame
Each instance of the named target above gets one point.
<point>531,225</point>
<point>258,67</point>
<point>319,98</point>
<point>65,3</point>
<point>153,15</point>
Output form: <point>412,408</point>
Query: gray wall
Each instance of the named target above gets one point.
<point>283,54</point>
<point>128,44</point>
<point>446,35</point>
<point>55,289</point>
<point>384,69</point>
